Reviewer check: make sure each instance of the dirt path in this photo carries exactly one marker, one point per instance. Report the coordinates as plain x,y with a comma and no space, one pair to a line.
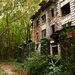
9,69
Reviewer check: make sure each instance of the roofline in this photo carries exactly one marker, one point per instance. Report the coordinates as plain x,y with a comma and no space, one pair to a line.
42,8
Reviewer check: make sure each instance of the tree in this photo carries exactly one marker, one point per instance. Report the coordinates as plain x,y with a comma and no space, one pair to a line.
15,23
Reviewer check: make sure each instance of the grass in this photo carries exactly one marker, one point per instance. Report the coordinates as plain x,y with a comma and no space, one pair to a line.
18,65
14,74
1,67
4,73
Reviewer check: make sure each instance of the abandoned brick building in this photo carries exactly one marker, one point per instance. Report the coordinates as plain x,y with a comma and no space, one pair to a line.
51,18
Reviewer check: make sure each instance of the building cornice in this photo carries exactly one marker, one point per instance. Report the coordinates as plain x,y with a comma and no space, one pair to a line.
44,6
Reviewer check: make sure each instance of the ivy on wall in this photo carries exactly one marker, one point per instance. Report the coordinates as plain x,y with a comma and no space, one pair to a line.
67,43
30,48
45,46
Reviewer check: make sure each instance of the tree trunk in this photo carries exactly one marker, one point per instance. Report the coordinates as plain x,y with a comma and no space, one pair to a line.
9,36
29,34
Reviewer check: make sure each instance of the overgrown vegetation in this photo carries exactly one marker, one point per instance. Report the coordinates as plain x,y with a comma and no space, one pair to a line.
15,25
67,42
17,47
50,64
44,65
30,49
45,46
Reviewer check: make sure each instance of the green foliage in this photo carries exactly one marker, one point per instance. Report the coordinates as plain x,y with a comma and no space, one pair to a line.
36,65
30,49
44,65
4,73
1,67
67,49
15,24
67,44
13,60
18,65
14,74
45,45
53,57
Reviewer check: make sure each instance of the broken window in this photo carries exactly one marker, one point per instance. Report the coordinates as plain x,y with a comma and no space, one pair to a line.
65,9
52,12
44,18
37,23
55,50
43,33
53,28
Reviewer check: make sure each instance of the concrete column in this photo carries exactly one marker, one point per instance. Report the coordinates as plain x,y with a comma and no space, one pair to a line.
59,50
51,50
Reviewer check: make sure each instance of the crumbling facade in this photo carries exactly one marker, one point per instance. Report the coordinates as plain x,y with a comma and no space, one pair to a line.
51,18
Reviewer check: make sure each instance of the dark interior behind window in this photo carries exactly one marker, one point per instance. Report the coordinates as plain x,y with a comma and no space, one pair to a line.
52,12
44,18
43,33
53,28
55,50
65,9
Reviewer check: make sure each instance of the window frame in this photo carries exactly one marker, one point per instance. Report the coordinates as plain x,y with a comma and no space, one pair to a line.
63,8
43,33
52,12
43,17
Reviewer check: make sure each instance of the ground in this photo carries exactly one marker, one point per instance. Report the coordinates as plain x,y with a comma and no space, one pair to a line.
7,68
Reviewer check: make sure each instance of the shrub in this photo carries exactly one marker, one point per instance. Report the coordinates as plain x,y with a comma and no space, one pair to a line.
36,65
43,65
67,49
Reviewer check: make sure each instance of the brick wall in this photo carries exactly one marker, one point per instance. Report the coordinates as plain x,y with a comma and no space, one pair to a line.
36,29
68,18
58,20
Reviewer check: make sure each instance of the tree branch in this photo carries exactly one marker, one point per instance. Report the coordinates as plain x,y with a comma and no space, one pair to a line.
17,18
5,30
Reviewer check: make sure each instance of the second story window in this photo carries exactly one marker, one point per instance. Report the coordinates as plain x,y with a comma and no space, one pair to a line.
53,28
37,36
52,12
43,33
65,9
44,18
37,23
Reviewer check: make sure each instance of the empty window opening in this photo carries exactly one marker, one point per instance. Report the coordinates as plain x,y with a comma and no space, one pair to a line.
65,9
37,23
52,12
44,18
43,33
64,26
53,28
67,25
55,50
36,35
